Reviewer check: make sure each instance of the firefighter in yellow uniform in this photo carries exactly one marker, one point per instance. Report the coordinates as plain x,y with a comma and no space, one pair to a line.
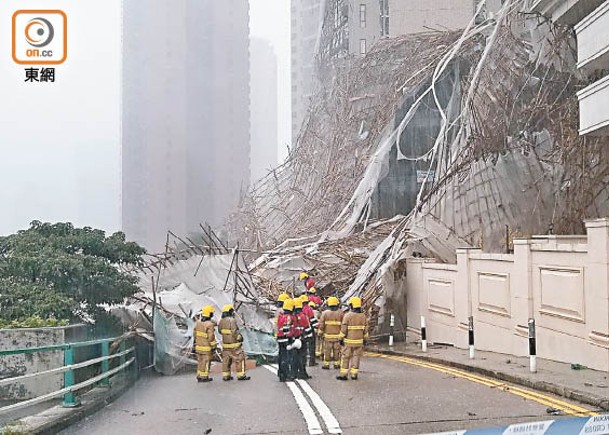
353,332
319,341
205,343
232,345
329,329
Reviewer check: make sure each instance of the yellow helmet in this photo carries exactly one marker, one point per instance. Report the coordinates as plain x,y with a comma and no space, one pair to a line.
288,304
303,276
333,301
304,298
207,311
355,302
298,303
226,308
282,297
312,290
312,304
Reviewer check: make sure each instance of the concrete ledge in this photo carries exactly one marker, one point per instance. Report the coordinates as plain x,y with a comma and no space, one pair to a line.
539,385
58,418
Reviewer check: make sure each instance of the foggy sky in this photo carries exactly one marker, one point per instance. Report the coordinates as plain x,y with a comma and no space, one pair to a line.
59,142
270,20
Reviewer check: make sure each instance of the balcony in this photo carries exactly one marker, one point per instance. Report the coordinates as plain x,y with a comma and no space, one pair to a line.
593,40
568,12
594,108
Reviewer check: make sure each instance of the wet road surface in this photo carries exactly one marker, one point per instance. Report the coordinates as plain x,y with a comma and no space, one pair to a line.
391,397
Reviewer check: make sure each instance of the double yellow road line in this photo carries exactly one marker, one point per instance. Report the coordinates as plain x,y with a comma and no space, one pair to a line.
565,407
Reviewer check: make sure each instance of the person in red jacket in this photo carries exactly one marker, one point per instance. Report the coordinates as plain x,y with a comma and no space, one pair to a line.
284,336
310,342
301,331
314,297
308,281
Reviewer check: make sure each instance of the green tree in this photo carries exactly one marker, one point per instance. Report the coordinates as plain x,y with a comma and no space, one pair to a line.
58,271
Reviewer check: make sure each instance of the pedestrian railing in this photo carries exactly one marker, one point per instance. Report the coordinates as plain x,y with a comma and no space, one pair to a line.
69,386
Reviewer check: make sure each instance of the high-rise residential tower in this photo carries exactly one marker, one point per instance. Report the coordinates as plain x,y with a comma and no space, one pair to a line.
185,115
307,18
263,107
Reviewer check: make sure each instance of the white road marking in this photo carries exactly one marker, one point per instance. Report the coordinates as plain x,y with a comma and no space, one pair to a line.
270,368
329,420
308,413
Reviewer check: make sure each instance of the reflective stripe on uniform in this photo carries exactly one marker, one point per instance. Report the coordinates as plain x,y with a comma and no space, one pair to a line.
332,336
333,322
230,345
203,348
351,341
356,328
226,331
213,343
201,334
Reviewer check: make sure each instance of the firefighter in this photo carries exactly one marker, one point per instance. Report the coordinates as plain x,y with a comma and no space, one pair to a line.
232,350
310,341
284,336
353,332
205,343
280,299
329,329
308,281
319,341
314,297
301,332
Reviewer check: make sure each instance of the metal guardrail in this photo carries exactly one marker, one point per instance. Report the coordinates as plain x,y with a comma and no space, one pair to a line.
69,399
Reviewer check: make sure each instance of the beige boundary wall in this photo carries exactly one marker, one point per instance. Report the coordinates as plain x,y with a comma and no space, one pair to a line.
560,281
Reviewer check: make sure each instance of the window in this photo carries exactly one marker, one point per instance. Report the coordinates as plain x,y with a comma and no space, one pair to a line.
362,47
362,16
384,17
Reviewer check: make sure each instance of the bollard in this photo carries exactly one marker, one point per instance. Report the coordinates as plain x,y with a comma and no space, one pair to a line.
532,347
69,400
391,325
105,365
423,335
471,337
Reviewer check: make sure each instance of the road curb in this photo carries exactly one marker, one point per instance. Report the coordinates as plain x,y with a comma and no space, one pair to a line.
547,387
57,418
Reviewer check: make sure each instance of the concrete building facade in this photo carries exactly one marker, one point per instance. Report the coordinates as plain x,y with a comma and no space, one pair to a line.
263,108
414,16
306,20
352,27
185,115
590,19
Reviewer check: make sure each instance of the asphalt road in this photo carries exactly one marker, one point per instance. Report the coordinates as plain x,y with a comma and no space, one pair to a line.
391,397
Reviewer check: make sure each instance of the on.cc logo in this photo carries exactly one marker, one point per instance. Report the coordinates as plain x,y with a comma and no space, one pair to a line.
39,32
40,37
